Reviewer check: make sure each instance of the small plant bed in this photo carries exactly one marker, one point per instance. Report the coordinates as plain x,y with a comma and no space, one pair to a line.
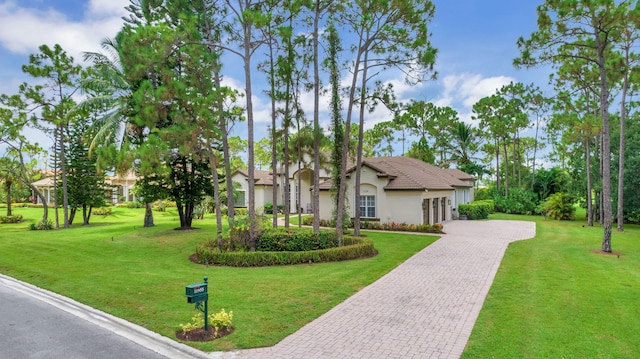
220,325
199,335
286,247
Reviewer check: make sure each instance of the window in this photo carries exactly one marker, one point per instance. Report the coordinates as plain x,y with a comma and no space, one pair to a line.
368,206
240,200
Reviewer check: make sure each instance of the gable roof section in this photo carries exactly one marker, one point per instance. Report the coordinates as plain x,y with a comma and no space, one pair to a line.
260,177
463,176
408,173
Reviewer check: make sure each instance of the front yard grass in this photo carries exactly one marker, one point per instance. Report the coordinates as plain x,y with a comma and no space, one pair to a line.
139,274
553,298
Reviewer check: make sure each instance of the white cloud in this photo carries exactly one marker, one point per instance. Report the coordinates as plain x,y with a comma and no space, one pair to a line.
23,30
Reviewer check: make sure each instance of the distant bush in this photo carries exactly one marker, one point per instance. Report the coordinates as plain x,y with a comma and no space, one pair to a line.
131,204
519,201
559,206
268,208
101,211
476,209
11,219
42,226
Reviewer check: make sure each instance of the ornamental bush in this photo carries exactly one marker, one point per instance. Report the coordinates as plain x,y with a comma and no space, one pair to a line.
476,209
559,206
282,239
102,211
353,248
11,219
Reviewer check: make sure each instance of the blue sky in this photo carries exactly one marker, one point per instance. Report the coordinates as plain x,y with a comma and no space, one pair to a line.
476,40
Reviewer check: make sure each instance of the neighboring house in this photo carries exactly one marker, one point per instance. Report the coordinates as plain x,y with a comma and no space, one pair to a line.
120,188
402,189
45,186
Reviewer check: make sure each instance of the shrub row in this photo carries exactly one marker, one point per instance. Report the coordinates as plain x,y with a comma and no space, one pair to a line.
476,209
388,226
282,239
11,219
102,211
353,248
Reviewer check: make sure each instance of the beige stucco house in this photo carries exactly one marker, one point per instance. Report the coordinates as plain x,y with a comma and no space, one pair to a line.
399,189
120,188
403,189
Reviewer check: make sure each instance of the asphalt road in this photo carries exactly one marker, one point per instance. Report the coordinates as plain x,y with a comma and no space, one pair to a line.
46,328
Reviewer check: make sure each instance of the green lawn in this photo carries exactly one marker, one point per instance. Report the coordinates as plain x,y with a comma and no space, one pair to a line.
554,298
139,274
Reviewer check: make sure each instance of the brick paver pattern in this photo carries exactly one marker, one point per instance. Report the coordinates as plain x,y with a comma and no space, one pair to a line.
424,308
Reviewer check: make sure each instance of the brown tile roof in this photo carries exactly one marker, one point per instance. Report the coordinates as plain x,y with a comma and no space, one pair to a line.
260,177
406,173
459,174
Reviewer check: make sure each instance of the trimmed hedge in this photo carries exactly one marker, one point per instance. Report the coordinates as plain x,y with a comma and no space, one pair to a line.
281,239
476,209
353,248
11,219
379,226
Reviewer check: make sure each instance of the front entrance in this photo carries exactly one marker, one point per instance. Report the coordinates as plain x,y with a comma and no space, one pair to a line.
436,218
425,211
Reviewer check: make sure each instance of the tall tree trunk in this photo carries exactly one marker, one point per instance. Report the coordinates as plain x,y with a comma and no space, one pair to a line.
56,164
345,150
589,184
497,165
7,186
216,196
506,168
63,175
606,146
535,150
251,205
623,117
363,94
315,203
148,215
299,191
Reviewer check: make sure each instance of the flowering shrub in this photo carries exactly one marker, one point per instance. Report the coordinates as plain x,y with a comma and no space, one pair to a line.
218,321
102,211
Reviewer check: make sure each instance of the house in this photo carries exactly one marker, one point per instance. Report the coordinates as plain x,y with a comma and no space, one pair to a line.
120,188
402,189
263,188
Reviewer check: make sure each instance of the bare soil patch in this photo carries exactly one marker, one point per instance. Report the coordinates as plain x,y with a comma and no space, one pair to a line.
199,335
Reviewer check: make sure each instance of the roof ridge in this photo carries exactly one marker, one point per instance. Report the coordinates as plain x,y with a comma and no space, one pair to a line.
391,164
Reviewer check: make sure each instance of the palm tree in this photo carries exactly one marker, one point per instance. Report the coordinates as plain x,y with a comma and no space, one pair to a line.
110,96
464,144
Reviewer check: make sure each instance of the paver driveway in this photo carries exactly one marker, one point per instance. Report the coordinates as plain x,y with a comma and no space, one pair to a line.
424,308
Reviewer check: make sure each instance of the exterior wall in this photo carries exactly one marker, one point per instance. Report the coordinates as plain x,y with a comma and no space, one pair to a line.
263,194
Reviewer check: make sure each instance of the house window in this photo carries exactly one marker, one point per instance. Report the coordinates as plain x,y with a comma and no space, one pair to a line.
240,200
368,206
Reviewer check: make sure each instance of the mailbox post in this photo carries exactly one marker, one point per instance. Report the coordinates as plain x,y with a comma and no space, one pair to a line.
198,294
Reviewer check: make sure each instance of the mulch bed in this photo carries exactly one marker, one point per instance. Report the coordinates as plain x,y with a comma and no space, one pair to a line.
199,335
612,253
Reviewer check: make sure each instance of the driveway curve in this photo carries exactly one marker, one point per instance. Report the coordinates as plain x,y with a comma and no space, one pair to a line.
424,308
